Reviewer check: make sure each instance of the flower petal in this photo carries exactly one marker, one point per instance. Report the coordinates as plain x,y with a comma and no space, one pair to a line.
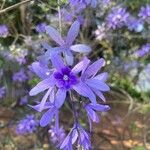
103,76
94,68
82,48
40,71
92,114
65,142
60,97
99,94
47,117
69,58
97,84
43,101
42,86
84,90
98,107
81,66
73,32
57,62
54,34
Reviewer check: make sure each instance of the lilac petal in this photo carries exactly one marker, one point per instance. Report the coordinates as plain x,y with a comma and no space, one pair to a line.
40,71
53,51
60,97
99,94
99,107
74,136
95,67
69,58
73,33
91,113
65,142
81,66
57,62
37,107
54,34
47,117
52,96
84,90
43,101
97,84
82,48
102,76
42,86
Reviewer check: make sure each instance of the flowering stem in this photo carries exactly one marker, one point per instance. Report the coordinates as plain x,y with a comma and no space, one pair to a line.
59,14
73,109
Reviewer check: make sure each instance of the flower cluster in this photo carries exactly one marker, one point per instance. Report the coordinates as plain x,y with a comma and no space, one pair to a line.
3,31
27,125
20,76
117,18
145,13
57,135
144,50
83,3
134,24
64,82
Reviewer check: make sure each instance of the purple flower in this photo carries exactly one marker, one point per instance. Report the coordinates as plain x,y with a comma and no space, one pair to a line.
62,77
144,50
91,108
2,92
77,135
57,135
27,125
3,31
131,65
134,24
91,83
24,100
145,13
41,27
20,76
84,3
65,46
117,18
91,112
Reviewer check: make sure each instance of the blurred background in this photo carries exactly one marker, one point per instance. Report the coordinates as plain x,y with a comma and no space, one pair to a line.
117,30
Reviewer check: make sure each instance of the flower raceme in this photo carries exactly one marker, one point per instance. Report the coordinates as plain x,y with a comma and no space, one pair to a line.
81,78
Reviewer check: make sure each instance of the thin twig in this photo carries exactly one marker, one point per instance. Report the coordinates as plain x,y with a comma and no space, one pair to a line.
14,6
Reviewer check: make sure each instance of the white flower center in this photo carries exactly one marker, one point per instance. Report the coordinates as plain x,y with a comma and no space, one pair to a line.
65,77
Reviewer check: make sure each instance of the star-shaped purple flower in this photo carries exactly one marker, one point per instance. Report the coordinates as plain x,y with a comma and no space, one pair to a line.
65,44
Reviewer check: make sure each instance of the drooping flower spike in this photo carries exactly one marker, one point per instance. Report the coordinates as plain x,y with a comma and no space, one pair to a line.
77,135
65,44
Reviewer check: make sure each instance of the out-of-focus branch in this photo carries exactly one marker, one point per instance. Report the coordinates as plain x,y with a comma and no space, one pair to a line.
14,6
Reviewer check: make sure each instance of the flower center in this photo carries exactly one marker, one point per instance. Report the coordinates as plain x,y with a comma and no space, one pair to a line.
65,77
